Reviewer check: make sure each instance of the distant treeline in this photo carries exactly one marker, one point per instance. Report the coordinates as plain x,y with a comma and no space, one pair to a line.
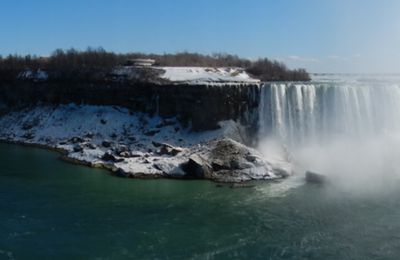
94,63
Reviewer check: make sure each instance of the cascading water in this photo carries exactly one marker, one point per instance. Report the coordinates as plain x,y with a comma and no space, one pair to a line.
298,113
347,129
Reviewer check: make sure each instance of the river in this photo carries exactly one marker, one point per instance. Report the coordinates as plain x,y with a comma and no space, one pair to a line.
54,210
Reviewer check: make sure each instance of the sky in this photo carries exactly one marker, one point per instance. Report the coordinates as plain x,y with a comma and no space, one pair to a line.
337,36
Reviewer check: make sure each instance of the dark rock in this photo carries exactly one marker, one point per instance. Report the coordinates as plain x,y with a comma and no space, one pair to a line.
125,154
217,104
89,135
166,149
197,167
28,136
156,144
218,165
111,158
166,122
120,173
106,144
30,124
132,138
113,135
76,139
312,177
230,155
169,169
146,161
135,155
251,157
91,146
151,132
121,148
78,148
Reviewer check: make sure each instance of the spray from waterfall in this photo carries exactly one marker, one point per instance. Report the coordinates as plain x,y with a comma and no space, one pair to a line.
348,131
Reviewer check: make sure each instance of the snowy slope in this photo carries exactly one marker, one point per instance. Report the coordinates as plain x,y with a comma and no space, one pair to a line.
82,131
207,75
188,75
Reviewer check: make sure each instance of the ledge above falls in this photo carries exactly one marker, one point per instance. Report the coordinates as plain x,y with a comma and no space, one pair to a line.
199,97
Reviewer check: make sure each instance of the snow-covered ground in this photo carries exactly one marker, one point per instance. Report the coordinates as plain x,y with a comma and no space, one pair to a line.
190,75
130,143
199,75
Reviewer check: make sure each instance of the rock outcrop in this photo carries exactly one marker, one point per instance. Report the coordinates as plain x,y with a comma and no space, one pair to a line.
226,160
312,177
200,106
170,153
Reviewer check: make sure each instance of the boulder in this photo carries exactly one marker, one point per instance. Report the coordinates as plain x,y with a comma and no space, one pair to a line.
166,149
76,140
111,158
169,169
78,148
234,162
28,136
120,173
166,122
121,149
125,154
89,135
106,144
230,155
197,167
90,146
30,124
151,132
312,177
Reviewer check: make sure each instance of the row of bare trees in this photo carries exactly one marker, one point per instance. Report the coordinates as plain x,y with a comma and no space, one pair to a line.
75,64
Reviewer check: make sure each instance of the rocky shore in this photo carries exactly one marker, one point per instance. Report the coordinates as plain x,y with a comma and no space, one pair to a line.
132,144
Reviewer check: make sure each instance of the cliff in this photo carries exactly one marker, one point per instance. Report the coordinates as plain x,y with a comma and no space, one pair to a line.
199,101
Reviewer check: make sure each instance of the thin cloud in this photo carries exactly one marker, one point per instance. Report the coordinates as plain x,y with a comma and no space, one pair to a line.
301,59
338,58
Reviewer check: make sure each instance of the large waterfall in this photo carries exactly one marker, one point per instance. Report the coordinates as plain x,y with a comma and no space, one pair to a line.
298,113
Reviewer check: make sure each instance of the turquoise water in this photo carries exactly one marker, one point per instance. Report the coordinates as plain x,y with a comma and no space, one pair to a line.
53,210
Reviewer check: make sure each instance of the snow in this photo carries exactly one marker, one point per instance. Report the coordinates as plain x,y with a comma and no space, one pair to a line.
191,75
176,75
58,126
201,75
34,75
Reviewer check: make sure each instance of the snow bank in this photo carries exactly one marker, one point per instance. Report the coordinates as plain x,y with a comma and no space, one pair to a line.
132,144
188,75
199,75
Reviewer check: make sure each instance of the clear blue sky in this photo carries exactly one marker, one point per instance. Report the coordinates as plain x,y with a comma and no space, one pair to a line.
320,35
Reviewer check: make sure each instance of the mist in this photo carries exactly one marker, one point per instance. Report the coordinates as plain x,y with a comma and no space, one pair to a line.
359,165
346,129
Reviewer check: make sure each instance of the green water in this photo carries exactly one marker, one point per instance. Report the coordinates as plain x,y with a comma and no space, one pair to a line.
53,210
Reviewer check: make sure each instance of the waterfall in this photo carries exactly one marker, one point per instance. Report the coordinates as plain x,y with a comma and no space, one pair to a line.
297,113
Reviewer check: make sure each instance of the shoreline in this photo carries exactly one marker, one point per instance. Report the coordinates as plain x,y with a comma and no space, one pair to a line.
138,146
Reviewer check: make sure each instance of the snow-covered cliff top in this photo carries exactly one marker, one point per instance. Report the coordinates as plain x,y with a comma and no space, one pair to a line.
199,75
189,75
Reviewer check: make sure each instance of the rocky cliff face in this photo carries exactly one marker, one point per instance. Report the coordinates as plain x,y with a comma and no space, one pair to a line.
199,106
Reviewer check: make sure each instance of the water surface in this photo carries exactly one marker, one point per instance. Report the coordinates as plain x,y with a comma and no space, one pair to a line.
51,209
